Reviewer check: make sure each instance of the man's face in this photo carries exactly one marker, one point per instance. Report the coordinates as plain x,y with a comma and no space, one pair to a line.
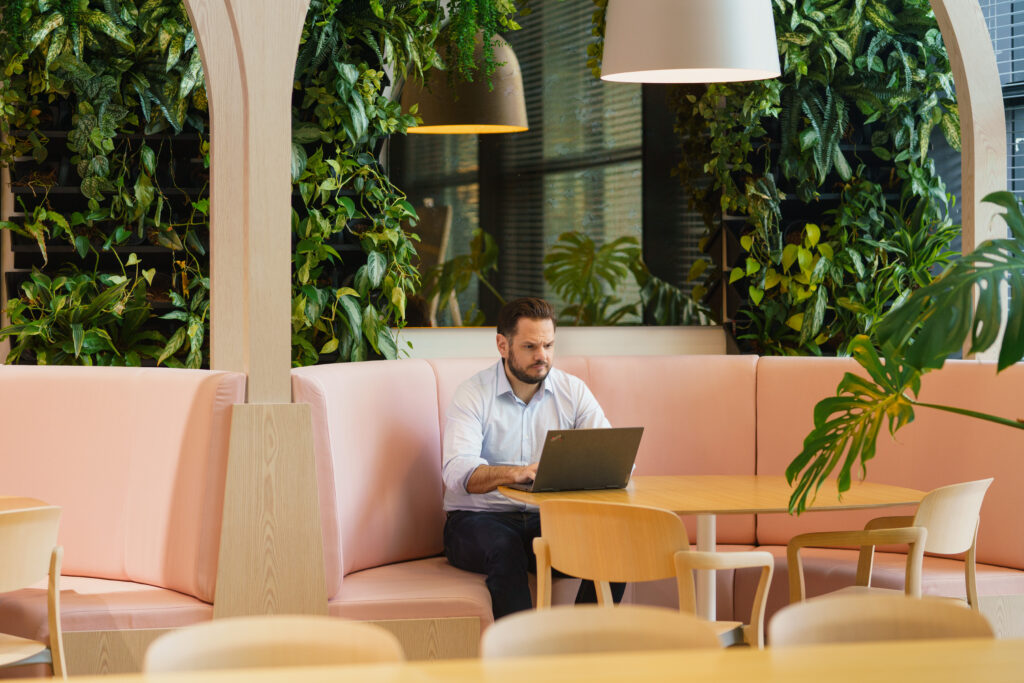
528,353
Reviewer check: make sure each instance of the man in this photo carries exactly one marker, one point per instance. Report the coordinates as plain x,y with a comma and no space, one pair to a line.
495,430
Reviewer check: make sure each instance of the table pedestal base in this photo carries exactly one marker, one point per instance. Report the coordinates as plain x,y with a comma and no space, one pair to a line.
706,578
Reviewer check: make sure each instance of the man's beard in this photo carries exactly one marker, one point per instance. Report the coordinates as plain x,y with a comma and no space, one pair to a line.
520,373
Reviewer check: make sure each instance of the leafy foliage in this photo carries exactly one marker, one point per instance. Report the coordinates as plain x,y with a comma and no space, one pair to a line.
589,277
131,74
848,67
456,274
914,338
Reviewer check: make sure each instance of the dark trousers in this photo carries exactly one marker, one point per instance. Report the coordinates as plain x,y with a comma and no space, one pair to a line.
500,545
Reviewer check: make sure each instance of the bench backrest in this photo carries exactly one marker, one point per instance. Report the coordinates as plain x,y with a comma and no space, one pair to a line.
378,452
136,459
378,425
936,449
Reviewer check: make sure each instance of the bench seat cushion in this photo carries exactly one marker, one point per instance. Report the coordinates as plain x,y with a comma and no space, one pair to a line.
430,588
420,589
827,570
88,604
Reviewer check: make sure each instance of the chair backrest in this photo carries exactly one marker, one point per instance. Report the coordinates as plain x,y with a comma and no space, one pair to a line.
271,641
27,538
951,514
858,618
612,541
588,628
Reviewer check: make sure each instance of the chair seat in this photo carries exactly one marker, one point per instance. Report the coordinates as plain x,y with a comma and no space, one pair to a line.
14,650
827,570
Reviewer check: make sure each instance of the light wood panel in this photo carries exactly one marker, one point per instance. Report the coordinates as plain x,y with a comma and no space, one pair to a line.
1005,613
271,558
250,120
729,494
93,653
426,639
271,551
979,97
478,342
946,661
229,292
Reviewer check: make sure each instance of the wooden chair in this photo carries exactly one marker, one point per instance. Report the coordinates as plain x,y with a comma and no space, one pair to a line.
946,523
586,629
28,546
857,618
607,542
271,641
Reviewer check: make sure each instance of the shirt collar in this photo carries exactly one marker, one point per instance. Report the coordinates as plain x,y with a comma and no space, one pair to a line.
503,386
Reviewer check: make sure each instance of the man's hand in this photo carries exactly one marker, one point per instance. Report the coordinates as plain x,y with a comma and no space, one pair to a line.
487,478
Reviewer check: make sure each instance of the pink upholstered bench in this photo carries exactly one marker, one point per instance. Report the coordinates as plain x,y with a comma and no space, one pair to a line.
136,458
377,438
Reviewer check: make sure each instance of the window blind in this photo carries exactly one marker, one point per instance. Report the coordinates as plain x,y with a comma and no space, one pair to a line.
579,165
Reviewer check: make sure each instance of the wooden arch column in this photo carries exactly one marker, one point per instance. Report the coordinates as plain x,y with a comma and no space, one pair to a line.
982,118
979,95
271,551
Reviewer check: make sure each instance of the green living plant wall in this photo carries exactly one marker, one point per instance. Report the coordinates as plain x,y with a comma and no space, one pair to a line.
827,168
99,100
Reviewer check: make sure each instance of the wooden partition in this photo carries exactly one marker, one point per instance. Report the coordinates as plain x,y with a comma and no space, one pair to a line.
271,557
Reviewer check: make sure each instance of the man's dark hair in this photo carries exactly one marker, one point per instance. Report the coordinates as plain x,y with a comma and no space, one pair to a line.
530,307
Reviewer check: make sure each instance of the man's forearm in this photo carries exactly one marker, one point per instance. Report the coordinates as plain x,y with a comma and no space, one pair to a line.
486,478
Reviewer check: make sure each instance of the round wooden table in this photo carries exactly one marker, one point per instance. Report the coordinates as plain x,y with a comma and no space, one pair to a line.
707,496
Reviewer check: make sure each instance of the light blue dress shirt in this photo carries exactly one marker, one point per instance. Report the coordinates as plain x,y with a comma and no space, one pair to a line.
489,425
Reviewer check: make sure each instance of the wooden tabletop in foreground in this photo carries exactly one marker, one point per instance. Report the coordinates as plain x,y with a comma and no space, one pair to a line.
20,503
730,494
922,661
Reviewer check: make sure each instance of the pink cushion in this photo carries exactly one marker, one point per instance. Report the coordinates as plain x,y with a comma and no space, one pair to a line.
449,374
426,589
136,457
938,448
827,570
421,589
697,413
378,453
98,605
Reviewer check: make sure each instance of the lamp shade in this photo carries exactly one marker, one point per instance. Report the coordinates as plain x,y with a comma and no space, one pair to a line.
689,41
472,107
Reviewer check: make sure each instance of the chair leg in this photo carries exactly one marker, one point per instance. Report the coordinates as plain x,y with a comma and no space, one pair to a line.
53,611
971,572
543,552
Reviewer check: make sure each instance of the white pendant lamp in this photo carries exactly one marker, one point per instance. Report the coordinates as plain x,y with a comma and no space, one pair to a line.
689,41
472,107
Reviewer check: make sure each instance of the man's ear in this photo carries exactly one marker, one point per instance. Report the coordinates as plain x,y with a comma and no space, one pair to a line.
502,345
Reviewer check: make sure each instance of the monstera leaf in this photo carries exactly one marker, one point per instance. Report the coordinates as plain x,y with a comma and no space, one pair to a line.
936,319
915,338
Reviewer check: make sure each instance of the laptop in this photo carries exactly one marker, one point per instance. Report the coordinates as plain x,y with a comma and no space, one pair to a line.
582,459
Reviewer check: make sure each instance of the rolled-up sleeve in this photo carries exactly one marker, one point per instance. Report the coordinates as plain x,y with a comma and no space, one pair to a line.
463,439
